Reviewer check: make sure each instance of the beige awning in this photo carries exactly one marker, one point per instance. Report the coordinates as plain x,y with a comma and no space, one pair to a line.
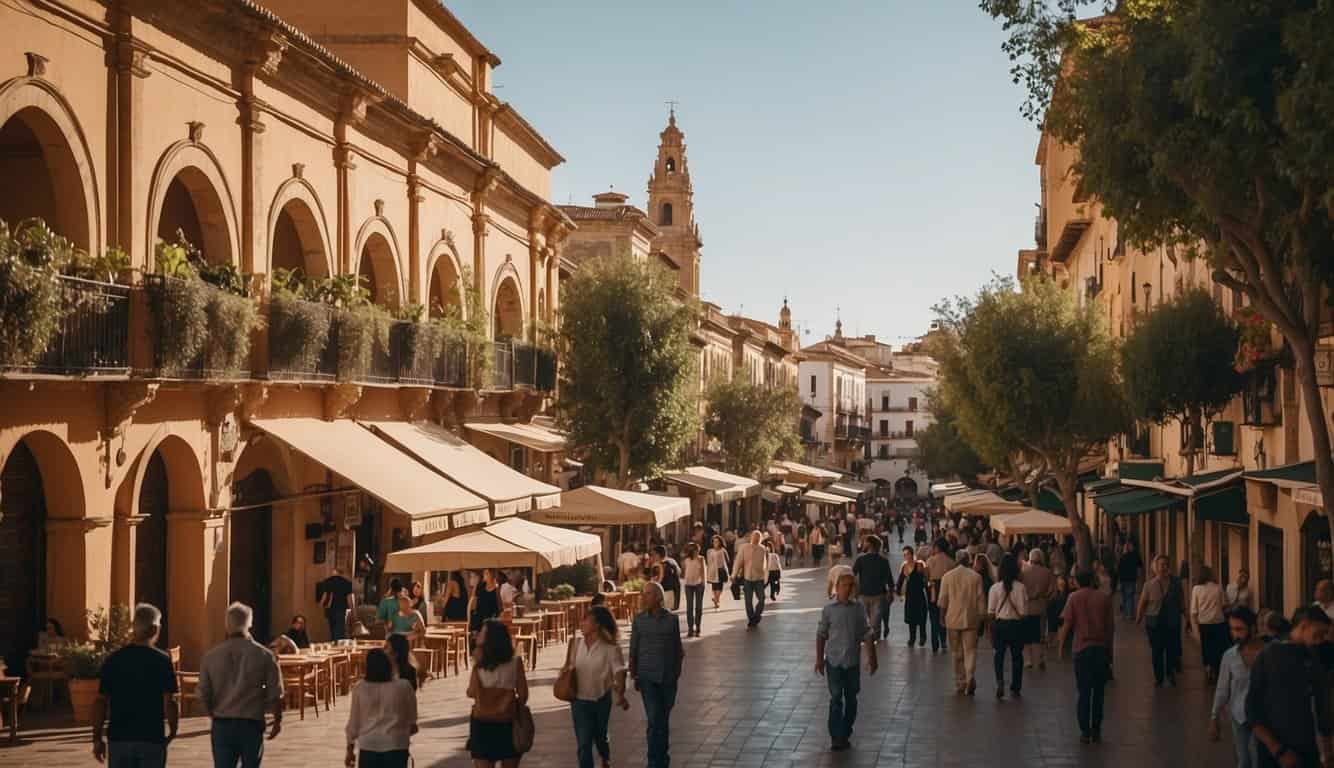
744,485
798,471
1031,521
844,489
717,490
533,436
772,497
508,491
509,543
820,497
982,504
595,505
954,500
787,490
434,503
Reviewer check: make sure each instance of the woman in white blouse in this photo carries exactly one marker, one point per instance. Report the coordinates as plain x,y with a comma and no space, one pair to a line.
1006,606
599,675
692,576
719,567
383,716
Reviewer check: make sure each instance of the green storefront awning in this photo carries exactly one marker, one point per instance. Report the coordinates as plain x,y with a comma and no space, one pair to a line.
1205,478
1102,485
1013,494
1050,501
1225,506
1140,470
1136,502
1291,473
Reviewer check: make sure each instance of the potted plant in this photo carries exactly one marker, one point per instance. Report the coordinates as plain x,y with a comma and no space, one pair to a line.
632,585
109,632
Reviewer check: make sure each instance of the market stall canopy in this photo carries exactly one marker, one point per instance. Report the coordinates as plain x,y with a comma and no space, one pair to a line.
717,490
842,489
745,485
948,489
434,503
508,491
954,500
805,473
595,505
534,436
787,490
508,543
820,497
1031,521
981,505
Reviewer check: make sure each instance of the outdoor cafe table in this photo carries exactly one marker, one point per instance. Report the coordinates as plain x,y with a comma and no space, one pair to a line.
553,625
443,638
9,690
306,664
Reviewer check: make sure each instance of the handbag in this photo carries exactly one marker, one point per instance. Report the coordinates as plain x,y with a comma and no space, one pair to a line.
524,730
566,687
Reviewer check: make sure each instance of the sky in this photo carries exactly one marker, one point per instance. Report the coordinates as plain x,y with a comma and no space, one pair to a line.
864,159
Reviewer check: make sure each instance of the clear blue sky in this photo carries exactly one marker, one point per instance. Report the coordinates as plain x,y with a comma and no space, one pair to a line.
862,155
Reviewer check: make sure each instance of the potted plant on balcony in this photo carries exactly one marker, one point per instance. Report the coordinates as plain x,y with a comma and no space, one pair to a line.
204,311
1256,341
31,304
232,317
109,631
419,339
298,328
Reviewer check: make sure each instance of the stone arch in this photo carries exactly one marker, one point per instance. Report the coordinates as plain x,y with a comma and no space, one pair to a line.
507,309
45,116
445,288
263,474
377,260
298,234
185,474
190,190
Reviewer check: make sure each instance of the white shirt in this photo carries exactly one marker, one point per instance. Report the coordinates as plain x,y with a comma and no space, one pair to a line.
595,668
503,676
752,562
1012,608
865,524
507,593
775,563
1328,608
382,715
717,559
1206,603
692,572
1240,596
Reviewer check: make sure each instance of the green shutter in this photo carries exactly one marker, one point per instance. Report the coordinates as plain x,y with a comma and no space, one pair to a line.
1223,438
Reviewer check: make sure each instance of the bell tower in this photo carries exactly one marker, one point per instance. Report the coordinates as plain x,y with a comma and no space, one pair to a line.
671,206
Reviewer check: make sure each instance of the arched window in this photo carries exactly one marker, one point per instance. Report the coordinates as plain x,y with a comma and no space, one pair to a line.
671,165
666,218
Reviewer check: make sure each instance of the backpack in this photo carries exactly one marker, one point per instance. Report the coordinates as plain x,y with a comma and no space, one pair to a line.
670,578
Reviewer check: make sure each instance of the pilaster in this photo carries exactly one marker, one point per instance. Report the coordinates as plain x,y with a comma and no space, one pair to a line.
129,60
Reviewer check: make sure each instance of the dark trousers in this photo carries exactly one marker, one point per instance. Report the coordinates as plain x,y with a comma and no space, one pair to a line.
694,605
658,701
917,633
1214,641
590,727
337,618
754,601
1306,757
1009,636
817,554
1128,599
1165,648
881,627
774,584
844,685
937,628
1090,682
136,754
397,758
236,740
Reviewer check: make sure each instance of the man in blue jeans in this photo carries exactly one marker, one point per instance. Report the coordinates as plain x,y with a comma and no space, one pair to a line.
239,682
1129,567
752,568
656,658
843,629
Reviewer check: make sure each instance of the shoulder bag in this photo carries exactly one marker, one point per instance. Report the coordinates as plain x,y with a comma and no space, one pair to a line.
493,705
566,687
524,730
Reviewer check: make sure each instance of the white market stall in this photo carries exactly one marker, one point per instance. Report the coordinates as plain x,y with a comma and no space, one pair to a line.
508,543
1031,521
611,509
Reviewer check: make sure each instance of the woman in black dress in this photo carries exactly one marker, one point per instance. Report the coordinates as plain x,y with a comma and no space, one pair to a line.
912,588
456,598
485,601
497,686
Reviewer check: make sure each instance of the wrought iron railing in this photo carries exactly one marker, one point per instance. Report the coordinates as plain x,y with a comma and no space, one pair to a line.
534,367
94,336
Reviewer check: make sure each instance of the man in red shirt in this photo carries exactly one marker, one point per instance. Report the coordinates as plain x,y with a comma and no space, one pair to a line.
1089,614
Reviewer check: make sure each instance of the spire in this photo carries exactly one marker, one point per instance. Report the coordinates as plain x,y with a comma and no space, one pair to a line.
838,323
785,317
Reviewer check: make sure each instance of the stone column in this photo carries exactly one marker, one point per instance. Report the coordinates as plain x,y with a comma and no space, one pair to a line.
78,553
197,569
126,219
123,549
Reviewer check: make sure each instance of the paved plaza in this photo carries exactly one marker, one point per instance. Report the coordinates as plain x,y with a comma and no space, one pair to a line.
751,699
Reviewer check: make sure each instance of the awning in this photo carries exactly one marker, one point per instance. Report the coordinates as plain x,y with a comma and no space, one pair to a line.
843,489
954,500
773,497
595,505
1135,502
807,473
1050,501
820,497
1225,506
532,436
1140,470
1288,476
434,503
508,491
1031,521
747,486
509,543
1102,486
940,490
717,490
787,490
982,504
1206,478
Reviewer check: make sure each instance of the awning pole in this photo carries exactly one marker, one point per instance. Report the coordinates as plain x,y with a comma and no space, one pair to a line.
290,499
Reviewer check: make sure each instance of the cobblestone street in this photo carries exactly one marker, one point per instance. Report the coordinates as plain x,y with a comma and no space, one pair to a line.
752,699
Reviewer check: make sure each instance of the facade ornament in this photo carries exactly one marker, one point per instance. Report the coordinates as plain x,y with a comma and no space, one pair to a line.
36,64
448,238
222,402
131,57
486,182
196,131
354,103
255,394
340,399
479,224
298,170
379,208
123,399
267,53
425,145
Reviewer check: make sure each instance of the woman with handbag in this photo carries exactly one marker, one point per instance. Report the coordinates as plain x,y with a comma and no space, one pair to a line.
499,690
1007,605
594,670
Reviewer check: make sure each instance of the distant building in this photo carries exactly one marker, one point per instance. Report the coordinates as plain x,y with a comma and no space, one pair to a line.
832,381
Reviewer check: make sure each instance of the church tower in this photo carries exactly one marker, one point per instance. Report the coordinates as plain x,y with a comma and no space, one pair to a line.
671,206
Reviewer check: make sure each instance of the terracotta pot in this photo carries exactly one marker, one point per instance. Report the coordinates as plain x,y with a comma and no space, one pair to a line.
82,694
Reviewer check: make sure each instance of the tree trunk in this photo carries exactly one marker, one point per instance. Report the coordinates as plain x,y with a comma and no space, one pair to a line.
1315,414
1067,483
1196,526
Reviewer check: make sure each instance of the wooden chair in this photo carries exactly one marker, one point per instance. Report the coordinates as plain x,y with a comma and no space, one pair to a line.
525,641
12,702
175,653
187,691
301,681
44,672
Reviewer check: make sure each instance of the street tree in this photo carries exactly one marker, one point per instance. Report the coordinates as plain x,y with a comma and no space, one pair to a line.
627,367
753,424
1029,373
941,450
1203,127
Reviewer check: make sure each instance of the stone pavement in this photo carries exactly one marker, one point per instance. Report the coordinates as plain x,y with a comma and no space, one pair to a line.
752,699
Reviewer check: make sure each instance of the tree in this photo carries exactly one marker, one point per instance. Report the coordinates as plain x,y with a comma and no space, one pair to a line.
754,424
1030,375
1204,127
942,451
627,367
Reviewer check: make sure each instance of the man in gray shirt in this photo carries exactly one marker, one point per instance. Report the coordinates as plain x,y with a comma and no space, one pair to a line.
843,629
238,680
656,656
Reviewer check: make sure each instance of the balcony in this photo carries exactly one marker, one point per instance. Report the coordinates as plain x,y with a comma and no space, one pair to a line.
852,433
94,336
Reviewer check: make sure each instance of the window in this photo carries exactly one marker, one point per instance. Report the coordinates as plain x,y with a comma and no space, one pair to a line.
671,165
884,427
665,219
812,385
912,403
1132,288
907,428
884,450
884,402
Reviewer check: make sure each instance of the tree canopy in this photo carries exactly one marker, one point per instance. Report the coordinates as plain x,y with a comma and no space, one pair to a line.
627,367
942,451
754,424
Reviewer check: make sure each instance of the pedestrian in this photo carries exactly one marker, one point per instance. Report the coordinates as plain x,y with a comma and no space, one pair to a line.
1101,579
1007,607
817,544
982,564
1234,678
599,681
962,606
336,596
138,685
752,568
1039,584
456,598
656,661
874,578
238,681
1287,702
403,660
420,604
383,717
1273,627
498,687
388,606
1162,609
1239,593
667,572
718,568
692,568
1090,616
485,603
407,620
844,628
628,564
803,533
1206,613
912,588
1128,570
937,565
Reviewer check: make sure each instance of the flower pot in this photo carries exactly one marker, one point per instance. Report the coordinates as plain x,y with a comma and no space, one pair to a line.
82,694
